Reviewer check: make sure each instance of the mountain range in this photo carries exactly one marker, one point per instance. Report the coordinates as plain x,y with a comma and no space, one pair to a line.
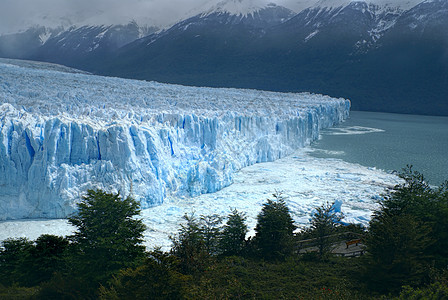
384,55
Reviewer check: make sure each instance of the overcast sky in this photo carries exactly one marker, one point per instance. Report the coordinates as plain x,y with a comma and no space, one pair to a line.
16,14
21,14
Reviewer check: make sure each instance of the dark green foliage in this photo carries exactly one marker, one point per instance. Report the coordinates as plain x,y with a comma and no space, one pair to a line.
108,236
199,240
397,248
30,263
430,207
354,228
246,278
274,229
190,246
44,258
406,247
435,291
408,235
324,223
156,278
233,236
18,293
67,287
12,257
210,229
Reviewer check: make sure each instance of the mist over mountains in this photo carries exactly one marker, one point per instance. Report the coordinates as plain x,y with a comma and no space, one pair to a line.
384,55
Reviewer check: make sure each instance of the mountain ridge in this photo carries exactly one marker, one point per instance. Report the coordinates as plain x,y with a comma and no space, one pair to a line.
384,55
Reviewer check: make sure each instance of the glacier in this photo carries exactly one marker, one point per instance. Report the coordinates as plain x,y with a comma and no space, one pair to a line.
305,181
63,132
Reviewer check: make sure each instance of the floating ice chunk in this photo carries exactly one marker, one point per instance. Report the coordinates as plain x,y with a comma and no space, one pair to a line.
352,177
337,206
351,130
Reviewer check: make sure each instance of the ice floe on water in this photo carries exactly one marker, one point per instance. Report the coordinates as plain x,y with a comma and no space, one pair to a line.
328,152
351,130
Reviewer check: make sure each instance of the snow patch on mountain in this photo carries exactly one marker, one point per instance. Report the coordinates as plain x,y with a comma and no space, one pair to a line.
311,35
241,8
391,4
44,36
402,5
378,16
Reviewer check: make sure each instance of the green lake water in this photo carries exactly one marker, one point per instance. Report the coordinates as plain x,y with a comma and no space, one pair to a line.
390,142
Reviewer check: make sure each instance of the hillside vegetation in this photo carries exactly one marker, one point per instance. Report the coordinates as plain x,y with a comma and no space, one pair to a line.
404,253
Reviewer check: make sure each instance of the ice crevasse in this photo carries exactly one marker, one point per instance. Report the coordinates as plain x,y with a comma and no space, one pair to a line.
62,133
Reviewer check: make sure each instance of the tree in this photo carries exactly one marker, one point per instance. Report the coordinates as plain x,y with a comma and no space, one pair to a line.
437,290
397,252
324,223
408,234
233,235
274,229
45,257
156,278
210,230
30,263
108,236
189,245
12,257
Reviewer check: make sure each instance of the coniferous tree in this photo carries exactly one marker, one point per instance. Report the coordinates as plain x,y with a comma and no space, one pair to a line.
408,234
397,252
233,235
211,230
274,229
324,223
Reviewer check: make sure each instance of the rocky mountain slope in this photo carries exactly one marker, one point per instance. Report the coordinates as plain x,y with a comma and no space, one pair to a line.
384,55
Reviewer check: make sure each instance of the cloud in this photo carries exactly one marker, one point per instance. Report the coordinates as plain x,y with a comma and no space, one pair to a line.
21,14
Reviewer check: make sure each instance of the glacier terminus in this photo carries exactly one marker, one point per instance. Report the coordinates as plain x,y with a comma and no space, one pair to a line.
63,132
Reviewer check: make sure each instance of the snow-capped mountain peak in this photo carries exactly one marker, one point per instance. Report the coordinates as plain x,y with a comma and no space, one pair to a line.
387,4
401,4
239,7
332,3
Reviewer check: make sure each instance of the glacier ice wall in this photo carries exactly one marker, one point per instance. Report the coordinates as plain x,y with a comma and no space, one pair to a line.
62,133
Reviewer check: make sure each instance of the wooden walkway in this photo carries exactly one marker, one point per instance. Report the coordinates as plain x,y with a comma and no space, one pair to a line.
347,244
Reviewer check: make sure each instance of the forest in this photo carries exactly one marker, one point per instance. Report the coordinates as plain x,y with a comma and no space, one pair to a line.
401,254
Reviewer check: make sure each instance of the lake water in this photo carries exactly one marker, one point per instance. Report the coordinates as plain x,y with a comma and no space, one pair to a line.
390,142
